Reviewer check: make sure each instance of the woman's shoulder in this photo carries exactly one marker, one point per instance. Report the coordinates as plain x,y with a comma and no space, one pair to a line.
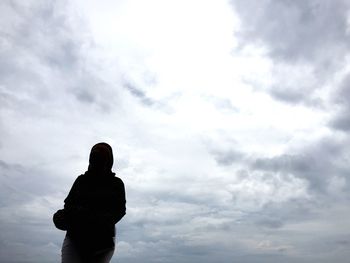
117,183
117,180
81,179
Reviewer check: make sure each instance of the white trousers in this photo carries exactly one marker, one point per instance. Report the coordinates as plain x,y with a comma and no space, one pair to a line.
70,254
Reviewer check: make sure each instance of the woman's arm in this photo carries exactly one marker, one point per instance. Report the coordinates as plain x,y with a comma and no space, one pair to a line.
115,209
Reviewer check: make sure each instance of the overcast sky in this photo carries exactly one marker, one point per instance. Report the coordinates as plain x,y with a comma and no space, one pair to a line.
229,122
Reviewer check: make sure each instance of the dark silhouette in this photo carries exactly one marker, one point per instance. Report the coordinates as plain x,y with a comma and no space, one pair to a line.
95,203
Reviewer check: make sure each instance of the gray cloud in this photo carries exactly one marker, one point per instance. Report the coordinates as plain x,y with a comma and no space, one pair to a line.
276,216
46,58
322,166
306,40
23,188
290,92
341,96
138,93
163,104
225,150
228,157
317,163
26,210
341,121
294,31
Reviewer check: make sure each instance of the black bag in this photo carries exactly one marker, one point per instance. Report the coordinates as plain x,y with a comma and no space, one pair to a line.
60,219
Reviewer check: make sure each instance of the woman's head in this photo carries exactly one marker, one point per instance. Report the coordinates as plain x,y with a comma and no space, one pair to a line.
101,158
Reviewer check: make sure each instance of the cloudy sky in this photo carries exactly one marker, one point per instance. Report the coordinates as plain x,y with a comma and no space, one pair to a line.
229,121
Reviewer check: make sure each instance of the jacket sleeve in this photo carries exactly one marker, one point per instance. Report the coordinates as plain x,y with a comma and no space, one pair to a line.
70,201
78,211
119,209
71,207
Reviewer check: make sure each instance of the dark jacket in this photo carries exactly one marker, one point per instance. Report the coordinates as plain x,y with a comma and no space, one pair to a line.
93,206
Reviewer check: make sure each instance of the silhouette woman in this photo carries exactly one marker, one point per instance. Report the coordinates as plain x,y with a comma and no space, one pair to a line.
95,203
